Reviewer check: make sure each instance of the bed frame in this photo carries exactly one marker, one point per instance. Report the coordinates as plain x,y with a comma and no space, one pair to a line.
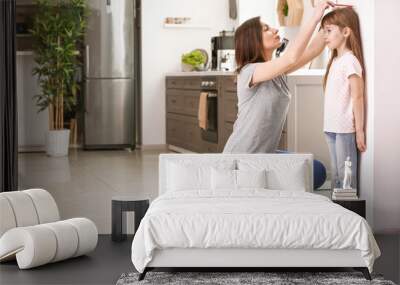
246,259
242,259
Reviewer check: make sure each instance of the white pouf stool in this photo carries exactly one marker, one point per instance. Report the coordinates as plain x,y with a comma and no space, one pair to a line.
31,230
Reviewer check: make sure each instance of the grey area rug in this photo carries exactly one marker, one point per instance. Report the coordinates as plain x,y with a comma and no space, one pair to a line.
243,278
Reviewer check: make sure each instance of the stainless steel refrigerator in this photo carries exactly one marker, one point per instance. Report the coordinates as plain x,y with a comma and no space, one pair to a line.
109,75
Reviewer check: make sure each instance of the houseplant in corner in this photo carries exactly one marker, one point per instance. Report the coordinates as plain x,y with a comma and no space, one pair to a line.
57,31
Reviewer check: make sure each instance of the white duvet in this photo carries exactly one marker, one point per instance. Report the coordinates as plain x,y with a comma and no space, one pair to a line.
250,219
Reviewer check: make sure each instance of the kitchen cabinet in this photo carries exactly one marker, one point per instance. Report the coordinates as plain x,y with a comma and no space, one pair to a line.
306,115
182,103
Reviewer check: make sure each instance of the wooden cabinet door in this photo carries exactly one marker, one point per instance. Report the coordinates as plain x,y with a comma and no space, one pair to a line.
229,83
191,102
175,129
174,102
208,147
230,108
192,83
183,131
227,131
175,83
191,134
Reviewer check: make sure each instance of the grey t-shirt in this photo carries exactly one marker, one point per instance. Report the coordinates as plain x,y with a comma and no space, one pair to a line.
262,111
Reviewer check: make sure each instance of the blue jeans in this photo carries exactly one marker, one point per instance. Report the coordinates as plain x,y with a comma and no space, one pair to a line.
342,145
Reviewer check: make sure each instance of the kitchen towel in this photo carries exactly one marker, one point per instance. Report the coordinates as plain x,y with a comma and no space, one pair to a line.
203,110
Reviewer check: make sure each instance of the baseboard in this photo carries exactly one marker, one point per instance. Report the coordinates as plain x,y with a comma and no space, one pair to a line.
178,149
76,146
153,147
31,148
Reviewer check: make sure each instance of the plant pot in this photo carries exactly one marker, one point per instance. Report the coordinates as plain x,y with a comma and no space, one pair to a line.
286,21
57,142
187,67
200,67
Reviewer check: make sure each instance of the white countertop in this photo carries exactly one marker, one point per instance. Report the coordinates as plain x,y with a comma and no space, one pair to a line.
308,72
300,72
201,73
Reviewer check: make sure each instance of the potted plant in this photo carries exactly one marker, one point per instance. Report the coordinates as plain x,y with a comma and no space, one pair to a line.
285,12
194,60
57,31
290,12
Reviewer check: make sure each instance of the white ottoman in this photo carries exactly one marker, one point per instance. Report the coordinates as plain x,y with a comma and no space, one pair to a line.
31,232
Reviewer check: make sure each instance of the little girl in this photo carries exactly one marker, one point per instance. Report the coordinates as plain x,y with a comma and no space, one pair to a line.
344,92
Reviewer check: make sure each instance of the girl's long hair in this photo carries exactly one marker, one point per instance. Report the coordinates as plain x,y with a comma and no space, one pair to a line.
346,17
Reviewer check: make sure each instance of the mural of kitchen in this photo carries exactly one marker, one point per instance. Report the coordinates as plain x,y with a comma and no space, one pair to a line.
108,91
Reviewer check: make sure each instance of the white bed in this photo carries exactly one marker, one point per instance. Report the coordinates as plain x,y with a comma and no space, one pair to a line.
201,220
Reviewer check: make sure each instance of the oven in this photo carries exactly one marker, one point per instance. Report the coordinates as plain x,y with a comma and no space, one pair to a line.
209,85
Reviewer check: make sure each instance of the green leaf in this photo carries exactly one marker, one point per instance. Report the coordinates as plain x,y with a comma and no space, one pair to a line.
194,58
57,31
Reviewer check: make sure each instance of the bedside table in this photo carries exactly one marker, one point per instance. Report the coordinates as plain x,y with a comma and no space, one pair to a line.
122,204
357,206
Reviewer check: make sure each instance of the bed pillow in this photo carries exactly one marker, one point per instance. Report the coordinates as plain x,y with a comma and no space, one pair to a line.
281,175
223,179
193,175
226,179
293,179
251,178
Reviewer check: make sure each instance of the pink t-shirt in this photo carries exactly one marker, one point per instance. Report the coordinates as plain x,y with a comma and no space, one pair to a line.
338,111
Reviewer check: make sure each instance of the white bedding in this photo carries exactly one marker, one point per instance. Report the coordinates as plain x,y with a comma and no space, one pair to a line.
251,218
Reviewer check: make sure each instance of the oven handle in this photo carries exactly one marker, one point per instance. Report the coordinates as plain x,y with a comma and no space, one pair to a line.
211,95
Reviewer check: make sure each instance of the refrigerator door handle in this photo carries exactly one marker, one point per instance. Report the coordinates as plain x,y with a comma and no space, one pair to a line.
134,9
85,97
87,60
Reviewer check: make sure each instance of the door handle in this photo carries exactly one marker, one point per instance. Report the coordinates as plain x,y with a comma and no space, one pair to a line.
87,60
85,97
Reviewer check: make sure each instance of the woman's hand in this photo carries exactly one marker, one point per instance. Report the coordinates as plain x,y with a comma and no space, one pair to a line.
273,68
360,139
319,9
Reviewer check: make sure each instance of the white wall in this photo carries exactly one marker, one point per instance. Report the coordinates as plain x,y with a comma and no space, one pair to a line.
253,8
32,126
266,9
365,10
387,117
162,49
379,172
